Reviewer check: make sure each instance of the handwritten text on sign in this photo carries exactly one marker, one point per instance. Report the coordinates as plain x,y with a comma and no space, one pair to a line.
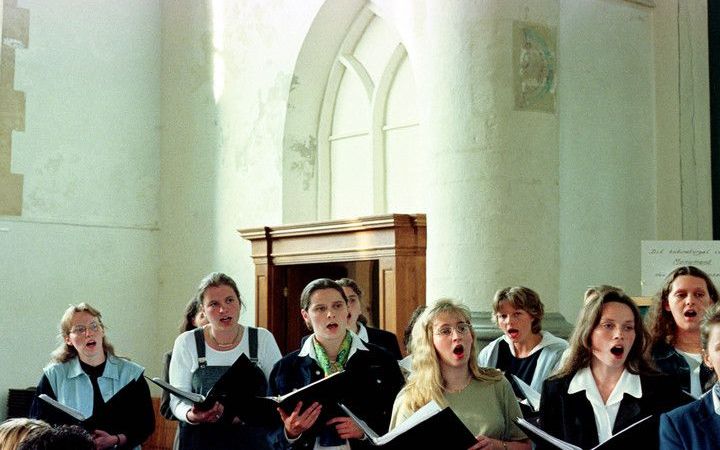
658,258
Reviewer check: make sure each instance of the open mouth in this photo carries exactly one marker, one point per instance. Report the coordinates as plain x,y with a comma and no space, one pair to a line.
513,333
332,326
226,320
690,313
618,350
91,344
459,351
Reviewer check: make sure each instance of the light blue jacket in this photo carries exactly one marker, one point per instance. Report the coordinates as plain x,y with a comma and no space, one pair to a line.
73,387
552,348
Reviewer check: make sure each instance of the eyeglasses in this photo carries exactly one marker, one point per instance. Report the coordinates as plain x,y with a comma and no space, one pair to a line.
82,329
462,329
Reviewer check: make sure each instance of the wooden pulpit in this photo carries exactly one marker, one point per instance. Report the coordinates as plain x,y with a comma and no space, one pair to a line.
385,254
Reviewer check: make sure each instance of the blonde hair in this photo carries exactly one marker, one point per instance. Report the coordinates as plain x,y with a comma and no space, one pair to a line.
14,431
65,352
425,382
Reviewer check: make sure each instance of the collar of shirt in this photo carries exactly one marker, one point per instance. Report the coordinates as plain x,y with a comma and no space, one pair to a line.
362,332
716,398
309,350
547,339
605,413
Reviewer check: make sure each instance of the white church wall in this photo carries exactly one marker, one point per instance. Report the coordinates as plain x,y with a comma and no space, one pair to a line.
89,156
620,152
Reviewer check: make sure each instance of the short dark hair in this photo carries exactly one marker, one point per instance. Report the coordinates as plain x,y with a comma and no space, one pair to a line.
191,310
352,284
523,298
316,285
65,437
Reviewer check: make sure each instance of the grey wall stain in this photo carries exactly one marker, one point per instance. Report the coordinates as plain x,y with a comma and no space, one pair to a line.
306,155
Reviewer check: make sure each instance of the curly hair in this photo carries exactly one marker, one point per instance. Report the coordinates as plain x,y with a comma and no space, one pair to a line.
660,322
580,351
425,382
14,431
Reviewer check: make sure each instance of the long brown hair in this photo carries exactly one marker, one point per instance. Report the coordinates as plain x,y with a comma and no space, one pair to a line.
580,351
660,322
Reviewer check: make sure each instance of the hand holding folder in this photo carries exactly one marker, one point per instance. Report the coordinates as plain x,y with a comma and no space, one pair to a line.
235,389
327,391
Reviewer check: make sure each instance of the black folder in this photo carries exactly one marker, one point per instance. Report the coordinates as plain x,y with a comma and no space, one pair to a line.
236,389
629,437
428,427
328,391
56,413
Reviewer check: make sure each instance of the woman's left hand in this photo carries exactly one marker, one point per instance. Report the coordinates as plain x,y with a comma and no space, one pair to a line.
346,428
483,443
103,439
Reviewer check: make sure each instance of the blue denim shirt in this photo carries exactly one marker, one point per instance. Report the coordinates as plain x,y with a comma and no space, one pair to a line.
73,387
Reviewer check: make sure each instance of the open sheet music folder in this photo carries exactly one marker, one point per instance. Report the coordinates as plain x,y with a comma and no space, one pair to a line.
627,438
236,389
429,427
56,413
328,391
532,397
59,414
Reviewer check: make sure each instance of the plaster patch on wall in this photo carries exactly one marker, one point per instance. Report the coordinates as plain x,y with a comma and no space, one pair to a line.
534,67
14,31
306,153
271,104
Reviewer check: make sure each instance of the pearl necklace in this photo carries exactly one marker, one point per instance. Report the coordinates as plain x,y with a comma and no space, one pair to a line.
229,344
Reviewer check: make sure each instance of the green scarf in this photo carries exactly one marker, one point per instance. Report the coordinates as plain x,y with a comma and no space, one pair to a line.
325,364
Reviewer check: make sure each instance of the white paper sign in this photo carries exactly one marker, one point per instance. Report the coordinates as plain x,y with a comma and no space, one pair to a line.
658,258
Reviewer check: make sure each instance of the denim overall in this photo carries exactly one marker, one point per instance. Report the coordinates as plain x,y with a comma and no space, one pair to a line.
222,434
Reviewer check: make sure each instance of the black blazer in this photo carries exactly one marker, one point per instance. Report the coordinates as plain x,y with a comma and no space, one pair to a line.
384,339
570,416
376,380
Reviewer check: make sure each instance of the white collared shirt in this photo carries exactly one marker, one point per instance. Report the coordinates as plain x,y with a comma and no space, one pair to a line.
605,413
362,332
308,349
716,398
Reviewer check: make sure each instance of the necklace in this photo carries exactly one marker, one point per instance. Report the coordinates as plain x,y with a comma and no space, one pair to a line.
226,345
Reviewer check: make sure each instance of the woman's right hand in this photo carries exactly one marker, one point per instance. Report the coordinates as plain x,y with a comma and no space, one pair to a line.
296,423
212,415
